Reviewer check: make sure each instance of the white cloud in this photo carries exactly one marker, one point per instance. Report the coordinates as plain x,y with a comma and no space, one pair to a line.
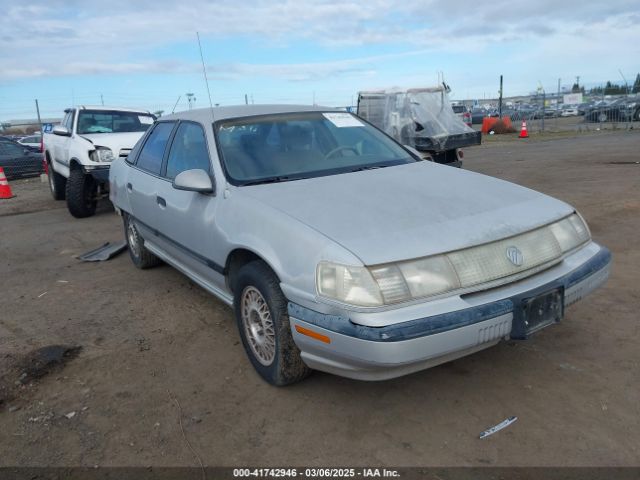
54,38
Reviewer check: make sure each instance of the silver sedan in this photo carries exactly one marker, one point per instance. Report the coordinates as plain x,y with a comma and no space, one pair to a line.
340,250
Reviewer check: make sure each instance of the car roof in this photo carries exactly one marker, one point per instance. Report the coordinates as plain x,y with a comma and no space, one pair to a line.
117,109
205,115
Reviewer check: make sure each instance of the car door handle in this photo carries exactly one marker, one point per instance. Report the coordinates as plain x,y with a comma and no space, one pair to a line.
129,187
161,201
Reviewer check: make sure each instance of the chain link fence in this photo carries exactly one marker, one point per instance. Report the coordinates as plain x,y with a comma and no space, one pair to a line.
546,114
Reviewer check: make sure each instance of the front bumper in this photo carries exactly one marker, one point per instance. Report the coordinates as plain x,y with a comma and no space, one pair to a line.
99,172
378,353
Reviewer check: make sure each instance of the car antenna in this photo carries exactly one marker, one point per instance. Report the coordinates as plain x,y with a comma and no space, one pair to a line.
176,104
206,80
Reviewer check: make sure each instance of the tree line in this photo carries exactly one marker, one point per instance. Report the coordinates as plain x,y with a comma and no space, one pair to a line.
610,88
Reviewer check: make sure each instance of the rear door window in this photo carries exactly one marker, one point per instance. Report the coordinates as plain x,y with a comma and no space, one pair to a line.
152,152
188,150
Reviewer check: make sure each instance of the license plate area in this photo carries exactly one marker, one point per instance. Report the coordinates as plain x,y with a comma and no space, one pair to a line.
538,312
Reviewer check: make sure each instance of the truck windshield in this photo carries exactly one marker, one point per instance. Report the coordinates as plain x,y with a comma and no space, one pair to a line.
106,121
283,147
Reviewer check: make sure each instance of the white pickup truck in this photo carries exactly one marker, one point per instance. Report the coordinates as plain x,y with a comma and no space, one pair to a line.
79,152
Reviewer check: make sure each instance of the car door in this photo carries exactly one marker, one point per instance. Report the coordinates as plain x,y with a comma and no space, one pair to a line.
187,220
6,158
15,159
144,181
63,144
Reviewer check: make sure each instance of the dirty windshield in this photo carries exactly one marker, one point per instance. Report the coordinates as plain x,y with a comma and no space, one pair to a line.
281,147
104,121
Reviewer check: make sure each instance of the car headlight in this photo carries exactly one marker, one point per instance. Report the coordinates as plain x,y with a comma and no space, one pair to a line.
101,154
424,277
570,232
348,284
416,278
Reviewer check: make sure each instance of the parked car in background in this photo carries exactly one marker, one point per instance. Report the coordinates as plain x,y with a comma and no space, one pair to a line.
342,251
478,113
462,112
19,160
80,150
569,112
620,110
33,141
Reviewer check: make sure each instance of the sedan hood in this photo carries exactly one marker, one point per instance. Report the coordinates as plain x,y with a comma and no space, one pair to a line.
410,211
114,141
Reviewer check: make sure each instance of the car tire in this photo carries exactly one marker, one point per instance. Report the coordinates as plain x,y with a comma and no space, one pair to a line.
57,184
81,194
140,256
263,322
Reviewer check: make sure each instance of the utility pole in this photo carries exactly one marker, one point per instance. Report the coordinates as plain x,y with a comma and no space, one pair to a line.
191,99
246,99
39,120
102,100
558,104
544,101
500,100
626,85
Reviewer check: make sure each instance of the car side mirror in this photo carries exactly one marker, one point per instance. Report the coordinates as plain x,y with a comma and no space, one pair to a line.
62,131
196,180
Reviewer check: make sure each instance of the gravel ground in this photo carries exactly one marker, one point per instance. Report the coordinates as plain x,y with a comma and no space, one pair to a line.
149,337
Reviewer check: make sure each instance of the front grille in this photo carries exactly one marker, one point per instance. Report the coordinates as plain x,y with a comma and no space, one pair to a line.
493,332
489,262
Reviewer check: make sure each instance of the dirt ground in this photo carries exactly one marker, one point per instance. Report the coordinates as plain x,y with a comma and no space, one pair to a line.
152,337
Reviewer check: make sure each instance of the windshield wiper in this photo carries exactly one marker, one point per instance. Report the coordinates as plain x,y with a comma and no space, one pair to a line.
272,180
368,167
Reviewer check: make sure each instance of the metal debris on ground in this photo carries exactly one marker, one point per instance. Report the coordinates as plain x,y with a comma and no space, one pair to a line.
498,427
105,252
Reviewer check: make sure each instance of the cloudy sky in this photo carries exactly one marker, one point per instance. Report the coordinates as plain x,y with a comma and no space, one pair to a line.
144,53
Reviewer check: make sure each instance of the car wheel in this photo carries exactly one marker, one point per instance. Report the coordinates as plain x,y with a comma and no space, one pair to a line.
602,117
263,322
140,256
81,194
57,184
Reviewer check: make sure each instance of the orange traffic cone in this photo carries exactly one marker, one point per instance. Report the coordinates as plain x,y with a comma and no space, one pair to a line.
523,130
5,189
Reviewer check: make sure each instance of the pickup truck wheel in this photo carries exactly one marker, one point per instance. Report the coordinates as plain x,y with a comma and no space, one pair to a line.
140,256
81,194
57,184
261,313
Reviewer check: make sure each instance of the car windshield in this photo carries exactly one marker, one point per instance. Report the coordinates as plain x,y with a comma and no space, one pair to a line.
282,147
105,121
